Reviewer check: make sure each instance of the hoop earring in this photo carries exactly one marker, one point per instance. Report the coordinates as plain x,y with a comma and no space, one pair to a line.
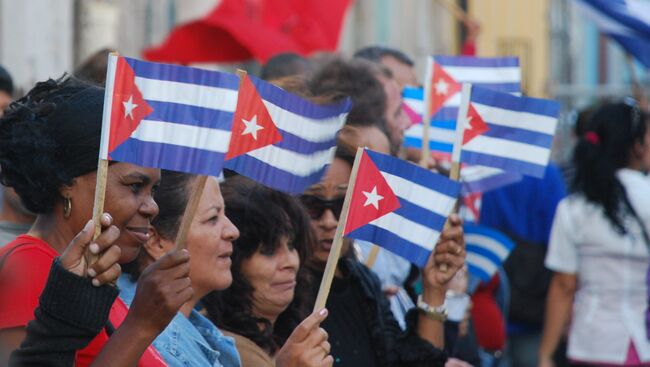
67,207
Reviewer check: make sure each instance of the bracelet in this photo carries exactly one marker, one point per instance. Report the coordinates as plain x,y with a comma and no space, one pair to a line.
438,313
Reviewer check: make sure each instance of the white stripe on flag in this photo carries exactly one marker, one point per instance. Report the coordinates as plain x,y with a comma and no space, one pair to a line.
473,173
189,94
416,105
481,262
435,133
410,191
454,101
213,140
488,243
409,230
520,120
306,128
508,149
476,74
295,163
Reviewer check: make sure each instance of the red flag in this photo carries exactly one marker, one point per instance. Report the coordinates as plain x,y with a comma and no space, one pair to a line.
475,125
443,87
372,197
243,29
129,108
252,126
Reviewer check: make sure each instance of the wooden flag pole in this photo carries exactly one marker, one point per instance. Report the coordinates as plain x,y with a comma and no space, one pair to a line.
461,122
426,115
190,210
102,164
337,243
372,256
98,205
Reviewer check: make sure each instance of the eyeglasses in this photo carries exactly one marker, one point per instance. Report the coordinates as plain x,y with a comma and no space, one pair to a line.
317,206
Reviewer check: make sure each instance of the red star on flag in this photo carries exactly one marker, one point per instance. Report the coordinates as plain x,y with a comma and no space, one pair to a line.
443,87
475,125
128,106
372,197
252,126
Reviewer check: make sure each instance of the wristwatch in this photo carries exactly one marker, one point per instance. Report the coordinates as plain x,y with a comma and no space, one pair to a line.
438,313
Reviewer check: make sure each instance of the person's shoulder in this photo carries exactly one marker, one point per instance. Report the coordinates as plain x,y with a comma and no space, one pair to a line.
249,352
25,245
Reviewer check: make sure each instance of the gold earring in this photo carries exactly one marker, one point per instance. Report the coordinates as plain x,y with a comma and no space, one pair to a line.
67,207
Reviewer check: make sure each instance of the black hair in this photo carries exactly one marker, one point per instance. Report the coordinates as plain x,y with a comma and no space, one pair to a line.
264,217
357,79
376,52
606,146
6,83
171,196
48,138
285,64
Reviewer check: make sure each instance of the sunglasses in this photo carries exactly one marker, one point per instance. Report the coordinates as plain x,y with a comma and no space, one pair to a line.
317,206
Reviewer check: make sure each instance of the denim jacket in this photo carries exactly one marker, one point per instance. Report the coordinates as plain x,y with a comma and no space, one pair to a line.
189,341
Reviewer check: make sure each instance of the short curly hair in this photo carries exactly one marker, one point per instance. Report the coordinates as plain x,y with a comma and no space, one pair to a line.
48,138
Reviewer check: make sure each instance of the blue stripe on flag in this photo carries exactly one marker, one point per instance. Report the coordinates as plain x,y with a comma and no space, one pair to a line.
513,103
420,215
190,115
293,103
168,156
472,61
413,93
483,252
183,74
519,135
445,124
411,172
296,144
392,242
506,164
480,273
490,182
433,145
273,176
501,87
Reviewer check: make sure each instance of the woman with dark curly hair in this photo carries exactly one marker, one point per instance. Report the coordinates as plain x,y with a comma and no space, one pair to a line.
191,339
267,298
49,145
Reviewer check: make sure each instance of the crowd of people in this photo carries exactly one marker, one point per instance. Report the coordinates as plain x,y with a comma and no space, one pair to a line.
241,292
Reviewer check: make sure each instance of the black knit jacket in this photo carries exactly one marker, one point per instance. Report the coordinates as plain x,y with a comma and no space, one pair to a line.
70,314
393,346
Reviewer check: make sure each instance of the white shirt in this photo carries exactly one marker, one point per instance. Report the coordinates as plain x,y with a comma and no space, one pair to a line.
610,301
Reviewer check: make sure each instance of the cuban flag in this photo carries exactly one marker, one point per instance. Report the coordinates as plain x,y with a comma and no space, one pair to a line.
167,116
446,74
507,132
280,139
486,248
625,21
399,206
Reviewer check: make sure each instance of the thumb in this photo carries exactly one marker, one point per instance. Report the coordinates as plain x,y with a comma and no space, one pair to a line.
301,332
171,259
77,247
